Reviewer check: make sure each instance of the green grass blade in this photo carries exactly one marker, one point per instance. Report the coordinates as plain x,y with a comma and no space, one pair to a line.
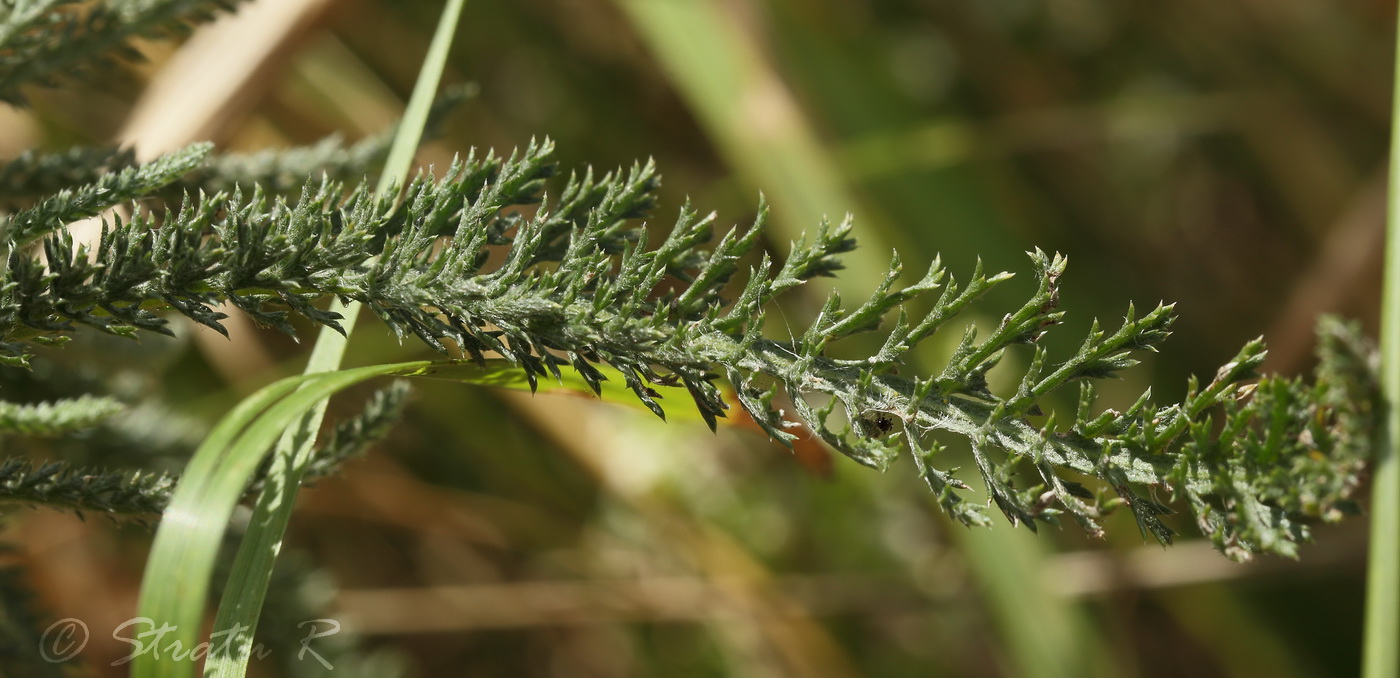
420,103
247,585
176,581
1382,640
248,580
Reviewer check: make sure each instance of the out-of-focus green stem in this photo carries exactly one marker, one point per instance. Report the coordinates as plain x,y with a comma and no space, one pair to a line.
1382,641
748,112
1045,634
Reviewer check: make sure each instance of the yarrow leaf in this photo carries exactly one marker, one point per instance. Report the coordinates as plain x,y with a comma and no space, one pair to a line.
482,262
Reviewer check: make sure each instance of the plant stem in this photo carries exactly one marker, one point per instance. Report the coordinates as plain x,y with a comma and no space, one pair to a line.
1381,658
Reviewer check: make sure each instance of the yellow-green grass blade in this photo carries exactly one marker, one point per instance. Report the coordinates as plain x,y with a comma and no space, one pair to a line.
503,374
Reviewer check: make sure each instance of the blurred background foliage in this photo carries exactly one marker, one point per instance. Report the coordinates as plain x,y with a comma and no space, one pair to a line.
1228,156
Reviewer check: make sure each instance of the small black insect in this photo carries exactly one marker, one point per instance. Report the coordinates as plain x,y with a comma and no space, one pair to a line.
874,426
